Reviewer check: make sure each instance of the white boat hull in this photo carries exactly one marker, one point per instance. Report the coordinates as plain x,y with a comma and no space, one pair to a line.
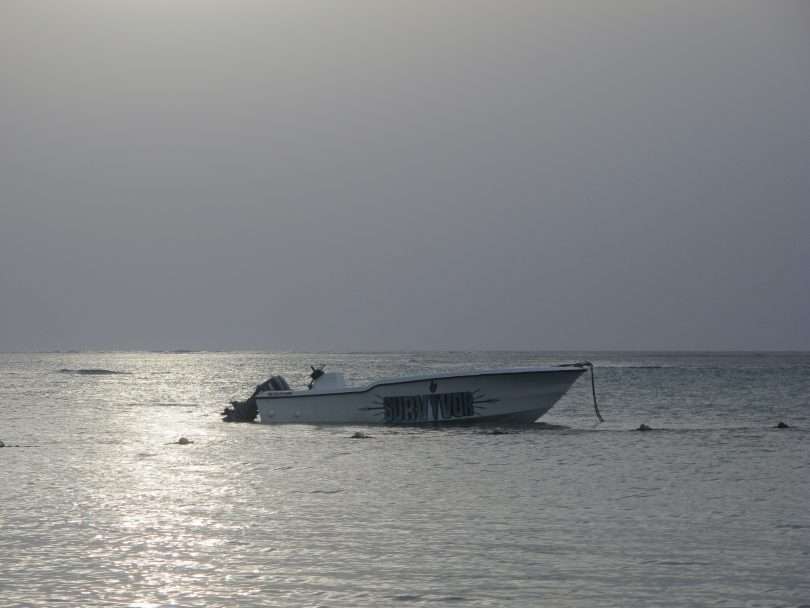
505,396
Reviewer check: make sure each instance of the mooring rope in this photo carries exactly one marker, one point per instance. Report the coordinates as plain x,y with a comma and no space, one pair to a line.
589,365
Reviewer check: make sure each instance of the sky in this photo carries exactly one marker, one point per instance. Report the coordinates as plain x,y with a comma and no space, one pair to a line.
420,175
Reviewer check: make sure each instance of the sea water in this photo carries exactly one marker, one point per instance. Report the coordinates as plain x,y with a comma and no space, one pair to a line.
100,506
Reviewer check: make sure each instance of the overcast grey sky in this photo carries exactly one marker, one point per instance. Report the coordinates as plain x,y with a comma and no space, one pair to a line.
404,175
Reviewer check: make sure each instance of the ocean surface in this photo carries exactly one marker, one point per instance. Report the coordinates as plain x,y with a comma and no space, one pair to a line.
100,506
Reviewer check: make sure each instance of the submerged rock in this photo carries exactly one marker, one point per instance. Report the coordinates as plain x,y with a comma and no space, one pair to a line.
644,427
782,425
184,441
360,435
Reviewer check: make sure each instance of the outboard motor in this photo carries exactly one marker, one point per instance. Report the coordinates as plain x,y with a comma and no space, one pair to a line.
246,411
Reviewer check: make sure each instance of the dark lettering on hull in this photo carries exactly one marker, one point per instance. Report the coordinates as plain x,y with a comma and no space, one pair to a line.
434,407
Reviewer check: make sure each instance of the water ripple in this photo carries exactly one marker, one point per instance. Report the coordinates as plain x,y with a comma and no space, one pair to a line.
104,508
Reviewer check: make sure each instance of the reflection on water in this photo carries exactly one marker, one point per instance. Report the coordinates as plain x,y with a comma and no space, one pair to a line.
104,507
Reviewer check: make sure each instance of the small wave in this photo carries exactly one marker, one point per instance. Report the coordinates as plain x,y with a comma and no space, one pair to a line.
160,404
620,366
90,371
678,563
414,597
537,426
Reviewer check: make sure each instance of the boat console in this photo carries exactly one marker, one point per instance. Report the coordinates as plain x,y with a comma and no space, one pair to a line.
328,381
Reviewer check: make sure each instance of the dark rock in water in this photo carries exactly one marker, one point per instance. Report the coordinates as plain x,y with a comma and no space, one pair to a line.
644,427
782,425
359,435
184,441
2,445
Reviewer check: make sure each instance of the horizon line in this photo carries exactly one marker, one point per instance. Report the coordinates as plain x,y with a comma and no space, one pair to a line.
180,351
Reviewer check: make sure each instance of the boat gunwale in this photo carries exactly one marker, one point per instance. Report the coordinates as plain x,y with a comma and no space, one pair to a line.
268,395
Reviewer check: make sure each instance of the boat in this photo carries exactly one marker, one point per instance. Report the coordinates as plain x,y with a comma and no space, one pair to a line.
495,396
